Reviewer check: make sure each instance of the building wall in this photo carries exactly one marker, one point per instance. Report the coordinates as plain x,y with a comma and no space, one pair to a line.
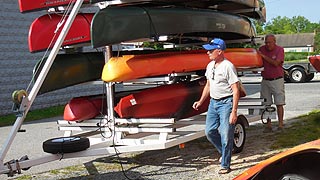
16,62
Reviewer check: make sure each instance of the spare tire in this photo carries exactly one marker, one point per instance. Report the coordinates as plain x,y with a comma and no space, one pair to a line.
66,145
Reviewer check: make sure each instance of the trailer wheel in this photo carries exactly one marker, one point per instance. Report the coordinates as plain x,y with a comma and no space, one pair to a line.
239,137
297,75
66,145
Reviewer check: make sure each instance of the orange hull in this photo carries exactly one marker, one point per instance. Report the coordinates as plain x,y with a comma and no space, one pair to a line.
315,61
257,171
128,67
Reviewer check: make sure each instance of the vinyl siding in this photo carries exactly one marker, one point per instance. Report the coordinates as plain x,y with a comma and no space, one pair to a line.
16,62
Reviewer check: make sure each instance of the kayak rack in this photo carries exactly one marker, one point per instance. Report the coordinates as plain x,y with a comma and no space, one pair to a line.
109,135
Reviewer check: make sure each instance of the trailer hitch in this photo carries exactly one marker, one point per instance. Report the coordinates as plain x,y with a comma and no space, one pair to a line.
14,166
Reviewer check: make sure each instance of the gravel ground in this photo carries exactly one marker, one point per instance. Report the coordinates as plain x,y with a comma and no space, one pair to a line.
198,160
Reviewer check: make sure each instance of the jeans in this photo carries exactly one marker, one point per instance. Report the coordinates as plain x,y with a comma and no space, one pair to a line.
218,129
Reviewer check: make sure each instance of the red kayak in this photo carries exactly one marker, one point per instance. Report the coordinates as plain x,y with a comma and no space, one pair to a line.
82,108
167,101
42,31
33,5
88,107
315,61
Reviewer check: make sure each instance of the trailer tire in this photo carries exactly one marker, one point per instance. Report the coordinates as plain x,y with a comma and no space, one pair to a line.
297,75
65,145
239,137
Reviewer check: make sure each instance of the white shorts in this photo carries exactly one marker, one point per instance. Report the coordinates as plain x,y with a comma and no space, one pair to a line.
273,92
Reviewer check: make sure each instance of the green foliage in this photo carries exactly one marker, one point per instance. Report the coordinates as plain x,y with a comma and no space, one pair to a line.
33,115
153,45
285,25
291,56
302,131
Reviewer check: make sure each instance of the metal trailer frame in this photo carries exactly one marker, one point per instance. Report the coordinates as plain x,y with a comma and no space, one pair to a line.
162,135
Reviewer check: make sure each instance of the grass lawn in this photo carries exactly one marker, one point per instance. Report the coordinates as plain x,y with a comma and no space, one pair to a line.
33,115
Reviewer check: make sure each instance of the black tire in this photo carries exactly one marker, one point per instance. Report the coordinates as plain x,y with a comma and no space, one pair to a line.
66,145
309,77
297,75
239,137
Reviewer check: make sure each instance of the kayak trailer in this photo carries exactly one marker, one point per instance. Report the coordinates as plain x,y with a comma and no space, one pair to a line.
109,135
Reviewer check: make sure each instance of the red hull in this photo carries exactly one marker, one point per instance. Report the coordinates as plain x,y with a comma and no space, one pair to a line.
82,108
315,61
42,29
167,101
88,107
33,5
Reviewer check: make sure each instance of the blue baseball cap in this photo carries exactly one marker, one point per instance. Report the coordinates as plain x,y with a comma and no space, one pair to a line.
216,43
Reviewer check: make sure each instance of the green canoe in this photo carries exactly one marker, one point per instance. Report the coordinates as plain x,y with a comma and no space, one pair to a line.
114,25
71,69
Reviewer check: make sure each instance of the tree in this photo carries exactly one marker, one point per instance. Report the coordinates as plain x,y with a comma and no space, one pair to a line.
301,24
285,25
279,25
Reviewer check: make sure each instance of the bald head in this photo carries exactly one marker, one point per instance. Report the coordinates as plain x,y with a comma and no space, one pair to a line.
270,41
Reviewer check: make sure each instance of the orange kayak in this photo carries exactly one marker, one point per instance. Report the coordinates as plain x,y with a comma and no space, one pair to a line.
300,162
128,67
315,61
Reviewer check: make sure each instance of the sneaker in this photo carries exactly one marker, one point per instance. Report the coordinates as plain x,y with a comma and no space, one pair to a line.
267,130
220,159
224,171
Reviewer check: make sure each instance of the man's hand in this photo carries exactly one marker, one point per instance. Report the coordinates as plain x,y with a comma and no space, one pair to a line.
233,117
196,105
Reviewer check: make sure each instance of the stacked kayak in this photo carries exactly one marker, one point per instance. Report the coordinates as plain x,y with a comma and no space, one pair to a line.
128,67
167,101
43,35
71,69
83,108
114,25
250,8
88,107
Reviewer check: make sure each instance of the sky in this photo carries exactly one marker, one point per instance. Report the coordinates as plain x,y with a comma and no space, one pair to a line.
289,8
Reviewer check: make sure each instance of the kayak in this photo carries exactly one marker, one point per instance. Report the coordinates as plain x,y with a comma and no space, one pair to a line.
71,69
129,67
299,162
315,61
36,5
114,25
88,107
166,101
83,108
250,8
42,31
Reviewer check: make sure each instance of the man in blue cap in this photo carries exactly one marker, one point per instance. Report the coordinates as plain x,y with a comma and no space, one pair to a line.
223,88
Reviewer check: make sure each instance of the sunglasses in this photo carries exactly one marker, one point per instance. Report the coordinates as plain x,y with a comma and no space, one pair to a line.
213,70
